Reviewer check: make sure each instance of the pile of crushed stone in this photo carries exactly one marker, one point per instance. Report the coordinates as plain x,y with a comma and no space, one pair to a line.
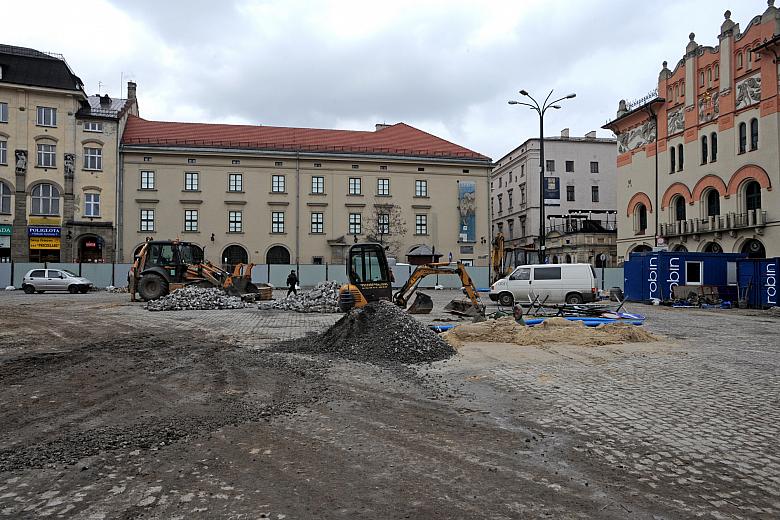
378,333
551,331
323,298
196,299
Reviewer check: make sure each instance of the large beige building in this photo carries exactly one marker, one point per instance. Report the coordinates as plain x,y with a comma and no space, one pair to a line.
698,160
293,195
59,150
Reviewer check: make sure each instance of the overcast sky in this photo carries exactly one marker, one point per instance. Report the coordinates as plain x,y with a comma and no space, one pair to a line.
447,67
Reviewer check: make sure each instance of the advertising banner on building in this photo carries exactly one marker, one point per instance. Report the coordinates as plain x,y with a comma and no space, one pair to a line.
44,221
467,205
552,190
44,242
43,231
6,230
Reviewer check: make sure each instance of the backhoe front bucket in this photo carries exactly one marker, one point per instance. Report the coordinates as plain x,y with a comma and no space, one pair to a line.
463,308
423,304
241,286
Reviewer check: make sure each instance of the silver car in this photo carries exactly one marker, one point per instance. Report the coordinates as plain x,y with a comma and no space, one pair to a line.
40,280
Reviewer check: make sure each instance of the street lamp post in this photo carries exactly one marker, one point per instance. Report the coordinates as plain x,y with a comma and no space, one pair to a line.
541,109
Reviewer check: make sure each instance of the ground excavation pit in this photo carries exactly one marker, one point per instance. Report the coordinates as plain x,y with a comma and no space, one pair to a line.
553,331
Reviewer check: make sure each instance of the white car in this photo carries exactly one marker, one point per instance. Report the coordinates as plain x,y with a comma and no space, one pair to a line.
559,283
40,280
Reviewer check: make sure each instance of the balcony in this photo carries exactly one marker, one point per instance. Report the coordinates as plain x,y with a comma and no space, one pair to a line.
583,226
716,224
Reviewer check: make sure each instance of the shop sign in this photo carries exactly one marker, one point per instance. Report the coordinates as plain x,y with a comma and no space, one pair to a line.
5,242
43,231
90,244
44,242
44,221
5,230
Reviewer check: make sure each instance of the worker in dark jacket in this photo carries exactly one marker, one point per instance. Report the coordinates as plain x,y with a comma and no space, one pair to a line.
292,281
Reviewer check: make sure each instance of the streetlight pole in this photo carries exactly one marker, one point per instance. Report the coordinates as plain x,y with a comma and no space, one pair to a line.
541,109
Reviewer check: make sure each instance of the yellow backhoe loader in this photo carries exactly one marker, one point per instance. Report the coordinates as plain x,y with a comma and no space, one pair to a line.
423,303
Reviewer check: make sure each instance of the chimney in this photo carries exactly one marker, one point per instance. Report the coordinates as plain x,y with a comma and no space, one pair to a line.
381,126
565,133
131,90
105,100
591,135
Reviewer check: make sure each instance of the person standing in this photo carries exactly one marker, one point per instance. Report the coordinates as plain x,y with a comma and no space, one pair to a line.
292,282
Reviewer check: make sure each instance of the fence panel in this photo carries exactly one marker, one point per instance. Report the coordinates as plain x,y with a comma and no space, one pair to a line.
260,273
310,275
401,274
279,273
21,268
338,273
480,276
65,266
5,275
98,274
613,277
120,274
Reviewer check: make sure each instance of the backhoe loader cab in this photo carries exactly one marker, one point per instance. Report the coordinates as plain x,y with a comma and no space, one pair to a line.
370,277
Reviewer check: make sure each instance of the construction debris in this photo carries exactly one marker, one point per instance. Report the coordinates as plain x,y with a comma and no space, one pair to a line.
552,331
116,290
323,298
377,333
196,299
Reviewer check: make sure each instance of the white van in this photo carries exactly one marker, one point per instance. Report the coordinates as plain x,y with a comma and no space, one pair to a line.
570,283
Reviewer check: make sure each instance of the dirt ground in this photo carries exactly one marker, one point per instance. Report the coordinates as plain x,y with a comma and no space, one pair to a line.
110,411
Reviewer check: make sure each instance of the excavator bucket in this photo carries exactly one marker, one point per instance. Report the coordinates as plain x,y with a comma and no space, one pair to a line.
423,304
464,308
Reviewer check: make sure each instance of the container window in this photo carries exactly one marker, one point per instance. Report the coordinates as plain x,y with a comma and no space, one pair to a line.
693,273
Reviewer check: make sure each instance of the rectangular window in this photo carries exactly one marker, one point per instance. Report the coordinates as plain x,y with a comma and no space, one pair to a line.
277,222
147,180
47,154
510,198
383,223
318,184
278,163
355,224
277,184
594,193
235,221
317,222
191,161
550,165
235,161
3,152
569,166
383,187
355,166
191,181
522,193
421,224
547,273
147,159
92,204
354,186
693,271
383,167
594,167
190,220
318,165
47,116
45,200
147,220
570,193
93,126
93,158
3,112
235,182
420,188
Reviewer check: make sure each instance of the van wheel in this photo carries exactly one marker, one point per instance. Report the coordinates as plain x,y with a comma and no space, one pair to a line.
574,298
28,289
506,299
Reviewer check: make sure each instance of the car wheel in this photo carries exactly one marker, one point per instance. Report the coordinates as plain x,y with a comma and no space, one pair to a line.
83,289
39,292
28,289
73,289
506,299
574,298
152,286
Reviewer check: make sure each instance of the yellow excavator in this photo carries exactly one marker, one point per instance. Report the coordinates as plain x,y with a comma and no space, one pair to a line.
370,279
498,258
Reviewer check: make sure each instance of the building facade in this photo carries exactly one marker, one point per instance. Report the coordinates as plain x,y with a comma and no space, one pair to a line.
698,158
290,195
59,151
579,200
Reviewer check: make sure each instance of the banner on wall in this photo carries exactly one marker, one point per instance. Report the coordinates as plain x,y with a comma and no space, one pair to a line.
44,242
467,206
552,190
43,231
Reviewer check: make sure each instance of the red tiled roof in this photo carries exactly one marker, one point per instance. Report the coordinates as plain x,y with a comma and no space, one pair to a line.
398,139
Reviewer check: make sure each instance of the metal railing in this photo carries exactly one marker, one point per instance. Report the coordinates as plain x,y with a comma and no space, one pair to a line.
714,224
641,101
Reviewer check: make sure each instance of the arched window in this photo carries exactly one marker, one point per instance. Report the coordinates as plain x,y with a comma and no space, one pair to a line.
754,249
45,200
568,259
679,248
676,92
5,198
704,149
749,56
277,255
753,134
672,163
713,203
640,219
680,157
739,60
742,137
701,78
233,255
717,71
713,147
679,208
752,196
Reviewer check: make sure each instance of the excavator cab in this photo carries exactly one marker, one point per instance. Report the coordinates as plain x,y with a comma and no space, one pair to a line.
370,278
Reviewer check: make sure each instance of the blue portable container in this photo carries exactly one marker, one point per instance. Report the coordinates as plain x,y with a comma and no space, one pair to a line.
650,275
758,281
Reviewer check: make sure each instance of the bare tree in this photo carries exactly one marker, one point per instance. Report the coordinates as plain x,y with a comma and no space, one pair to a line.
385,224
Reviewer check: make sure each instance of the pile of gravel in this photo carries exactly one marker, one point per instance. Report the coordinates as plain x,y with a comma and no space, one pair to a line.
377,333
323,298
196,299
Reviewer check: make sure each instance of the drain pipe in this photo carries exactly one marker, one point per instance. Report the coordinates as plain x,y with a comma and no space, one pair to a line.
654,115
298,213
